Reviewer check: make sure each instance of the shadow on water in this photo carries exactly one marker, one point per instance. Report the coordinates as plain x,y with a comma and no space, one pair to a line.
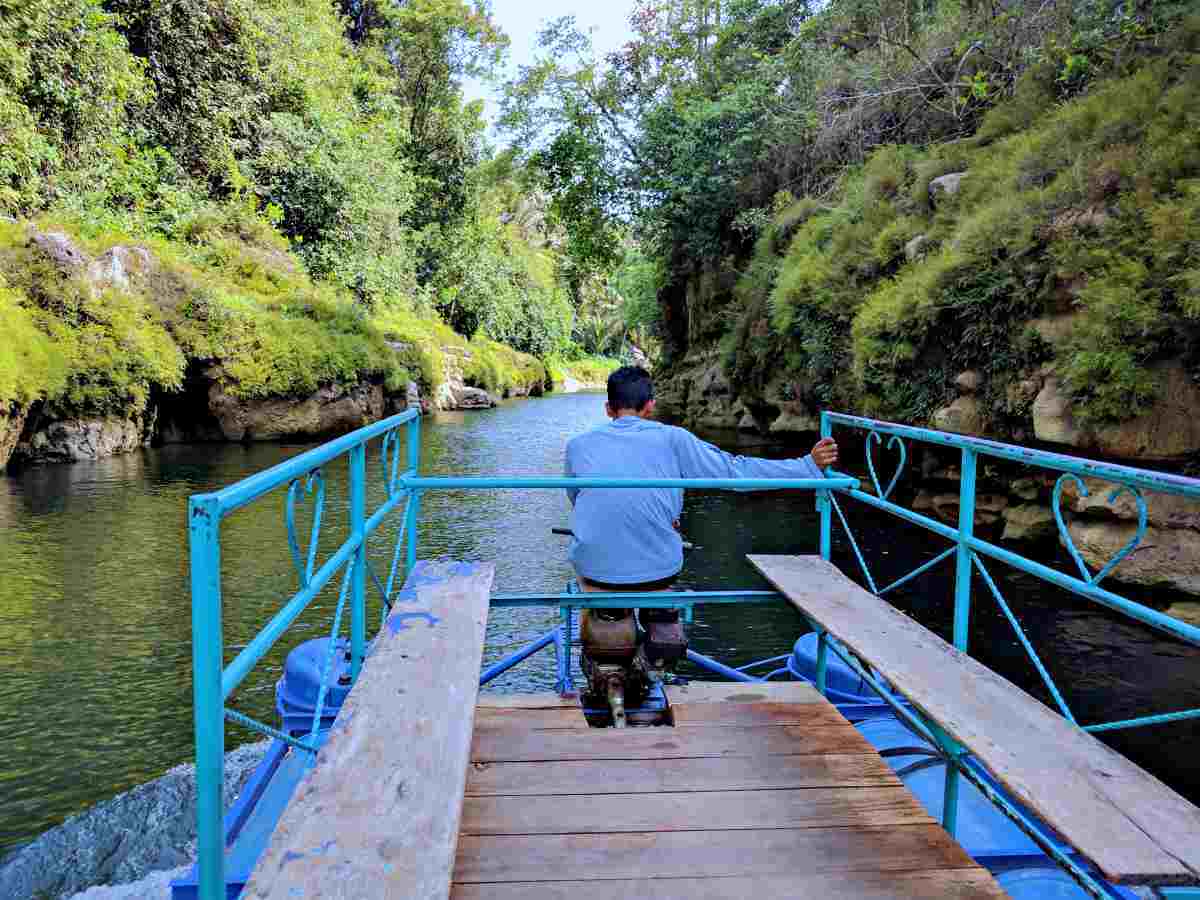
95,668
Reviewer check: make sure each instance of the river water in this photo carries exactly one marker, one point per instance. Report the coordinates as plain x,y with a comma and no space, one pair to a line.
95,665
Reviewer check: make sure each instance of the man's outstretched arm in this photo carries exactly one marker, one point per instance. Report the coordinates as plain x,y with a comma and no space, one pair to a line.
700,459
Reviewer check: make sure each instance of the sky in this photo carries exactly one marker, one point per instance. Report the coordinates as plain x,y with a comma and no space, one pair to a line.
521,20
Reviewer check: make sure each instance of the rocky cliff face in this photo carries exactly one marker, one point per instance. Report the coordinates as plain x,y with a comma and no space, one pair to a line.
1012,505
206,410
46,439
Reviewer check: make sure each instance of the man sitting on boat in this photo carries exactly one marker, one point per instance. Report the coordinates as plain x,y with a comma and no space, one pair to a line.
628,540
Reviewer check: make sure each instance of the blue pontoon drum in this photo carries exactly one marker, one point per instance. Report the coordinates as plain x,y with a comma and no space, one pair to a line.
842,684
297,691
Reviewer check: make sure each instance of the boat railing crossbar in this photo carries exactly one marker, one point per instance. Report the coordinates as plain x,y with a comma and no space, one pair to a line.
398,441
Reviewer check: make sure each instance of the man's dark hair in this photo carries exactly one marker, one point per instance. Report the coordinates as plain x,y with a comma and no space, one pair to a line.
630,387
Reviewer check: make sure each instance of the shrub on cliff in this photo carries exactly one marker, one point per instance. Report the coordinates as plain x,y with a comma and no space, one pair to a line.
32,365
1084,212
422,342
95,347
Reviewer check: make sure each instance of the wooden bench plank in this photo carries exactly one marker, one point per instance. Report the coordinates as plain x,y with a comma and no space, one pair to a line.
934,884
512,745
705,854
378,815
644,776
1130,825
697,811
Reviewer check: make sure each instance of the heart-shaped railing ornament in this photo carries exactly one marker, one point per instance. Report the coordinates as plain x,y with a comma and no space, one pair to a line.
893,441
1069,542
305,563
391,464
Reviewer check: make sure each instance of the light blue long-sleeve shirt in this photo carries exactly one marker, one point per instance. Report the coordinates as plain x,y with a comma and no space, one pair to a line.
625,535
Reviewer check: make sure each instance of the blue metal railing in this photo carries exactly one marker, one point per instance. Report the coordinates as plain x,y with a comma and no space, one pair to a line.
304,480
969,550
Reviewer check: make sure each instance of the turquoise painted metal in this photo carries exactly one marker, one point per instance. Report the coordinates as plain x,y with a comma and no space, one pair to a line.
962,559
303,477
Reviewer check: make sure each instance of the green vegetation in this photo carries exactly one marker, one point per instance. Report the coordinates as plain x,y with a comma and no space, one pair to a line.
775,158
1082,213
587,370
307,182
31,365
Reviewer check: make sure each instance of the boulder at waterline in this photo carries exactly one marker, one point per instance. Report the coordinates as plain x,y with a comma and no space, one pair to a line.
1028,522
76,440
146,829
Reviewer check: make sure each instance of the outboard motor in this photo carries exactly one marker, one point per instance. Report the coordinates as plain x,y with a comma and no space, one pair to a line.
622,662
610,643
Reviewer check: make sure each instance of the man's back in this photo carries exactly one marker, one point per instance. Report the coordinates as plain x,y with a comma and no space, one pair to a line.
627,536
623,535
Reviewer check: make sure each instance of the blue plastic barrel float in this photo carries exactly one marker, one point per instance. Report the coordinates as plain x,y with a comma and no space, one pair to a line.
989,836
296,692
842,684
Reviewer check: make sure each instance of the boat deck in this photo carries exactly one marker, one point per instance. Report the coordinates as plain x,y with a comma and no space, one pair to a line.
759,791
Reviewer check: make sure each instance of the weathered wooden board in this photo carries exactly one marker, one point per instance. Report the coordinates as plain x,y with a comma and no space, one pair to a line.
741,715
530,719
1130,825
641,776
705,854
741,693
378,815
934,884
507,745
543,700
695,811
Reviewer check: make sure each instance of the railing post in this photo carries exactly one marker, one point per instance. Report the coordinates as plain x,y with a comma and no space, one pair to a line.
562,653
204,536
414,444
966,528
824,507
410,528
358,578
953,750
414,501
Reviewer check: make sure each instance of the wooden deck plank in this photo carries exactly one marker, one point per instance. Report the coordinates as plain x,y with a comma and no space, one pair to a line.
512,745
541,700
1130,825
530,719
648,776
705,854
933,884
743,714
704,811
378,815
743,693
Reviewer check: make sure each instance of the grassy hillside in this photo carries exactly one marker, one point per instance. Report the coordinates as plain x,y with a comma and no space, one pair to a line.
226,291
1070,242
